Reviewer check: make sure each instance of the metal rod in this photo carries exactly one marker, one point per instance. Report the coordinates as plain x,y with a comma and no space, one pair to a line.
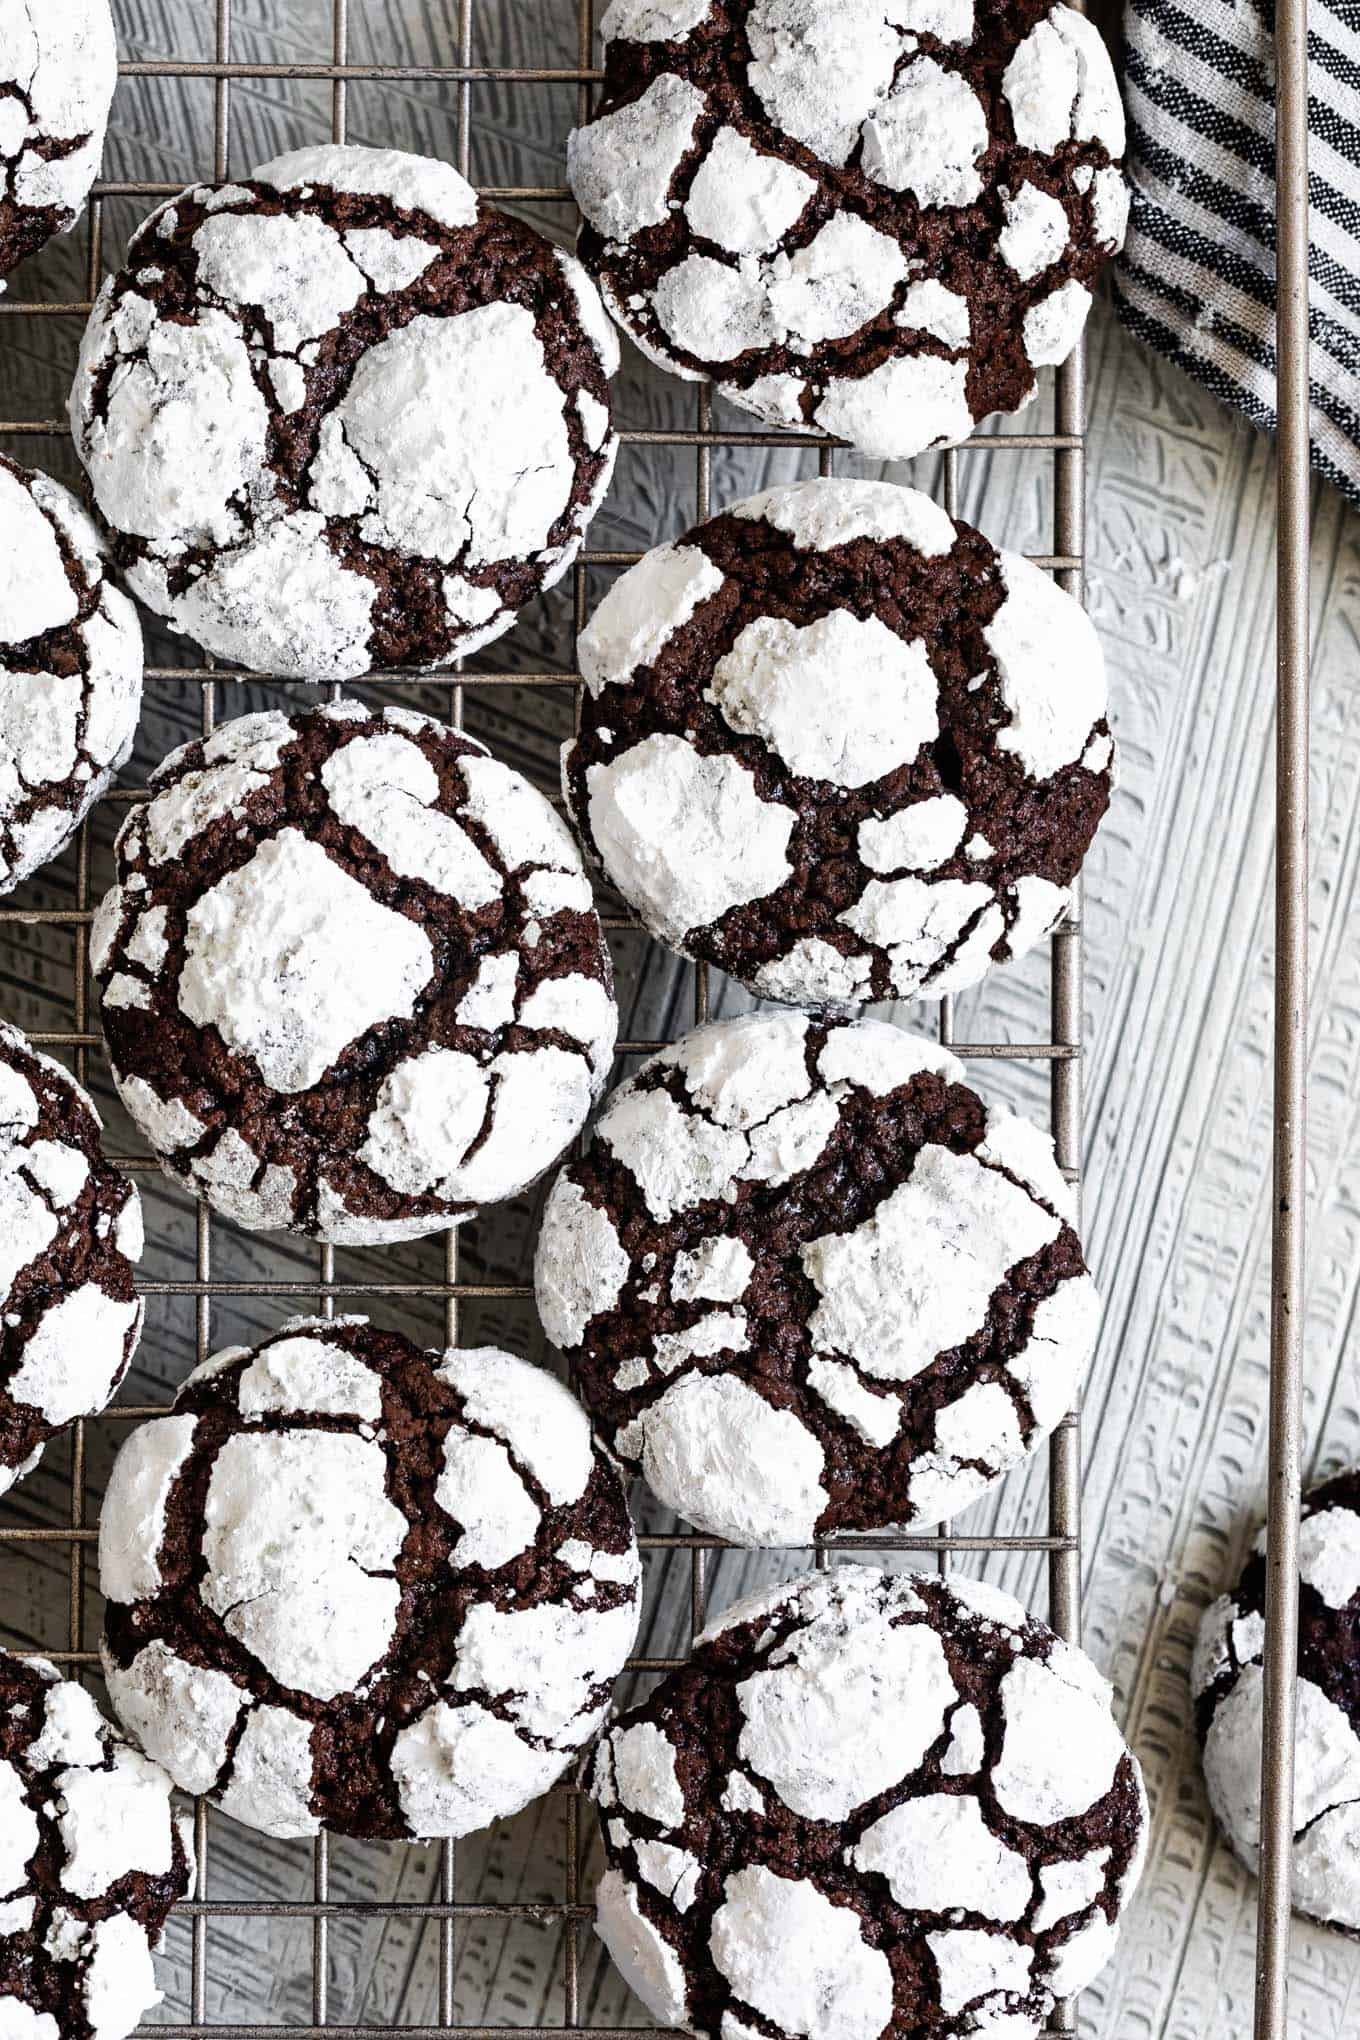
1291,1016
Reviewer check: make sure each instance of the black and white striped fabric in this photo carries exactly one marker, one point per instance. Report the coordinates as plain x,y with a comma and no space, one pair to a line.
1197,277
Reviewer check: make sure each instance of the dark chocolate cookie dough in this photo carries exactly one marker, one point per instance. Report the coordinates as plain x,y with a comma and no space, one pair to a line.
351,977
58,68
810,1282
70,1234
869,1804
1228,1679
359,1586
841,746
91,1861
876,219
342,416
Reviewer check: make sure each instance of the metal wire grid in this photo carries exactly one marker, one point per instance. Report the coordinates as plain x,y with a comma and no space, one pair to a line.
1061,1052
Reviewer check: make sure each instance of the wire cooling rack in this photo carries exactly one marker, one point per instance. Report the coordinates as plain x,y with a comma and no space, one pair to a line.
217,76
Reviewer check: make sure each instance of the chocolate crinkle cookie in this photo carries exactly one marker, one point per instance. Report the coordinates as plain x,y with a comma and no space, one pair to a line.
351,977
91,1860
341,415
358,1586
877,219
869,1804
810,1282
70,1235
841,746
1228,1681
70,670
58,68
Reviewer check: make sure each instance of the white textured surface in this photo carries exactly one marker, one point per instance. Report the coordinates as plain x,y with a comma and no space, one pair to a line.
531,1411
686,837
298,1536
937,1852
292,959
718,1453
927,136
799,1960
843,699
850,1709
132,1523
886,1299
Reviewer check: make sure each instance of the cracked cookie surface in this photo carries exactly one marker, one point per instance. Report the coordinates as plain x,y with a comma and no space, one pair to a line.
91,1860
352,980
70,1236
70,670
868,1804
341,415
879,219
840,745
359,1586
58,68
809,1282
1228,1682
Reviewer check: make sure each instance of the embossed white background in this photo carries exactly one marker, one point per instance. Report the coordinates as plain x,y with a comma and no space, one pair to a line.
1178,920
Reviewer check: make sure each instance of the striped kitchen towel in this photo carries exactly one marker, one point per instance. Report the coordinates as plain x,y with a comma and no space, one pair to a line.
1197,277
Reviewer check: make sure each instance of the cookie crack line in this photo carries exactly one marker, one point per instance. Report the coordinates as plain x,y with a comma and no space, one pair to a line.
271,1064
759,1324
250,1633
339,516
914,1845
763,763
729,170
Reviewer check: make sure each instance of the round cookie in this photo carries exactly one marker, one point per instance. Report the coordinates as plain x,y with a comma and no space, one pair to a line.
869,1803
1227,1680
841,746
91,1861
809,1282
358,1586
70,670
341,415
351,977
70,1234
879,220
58,68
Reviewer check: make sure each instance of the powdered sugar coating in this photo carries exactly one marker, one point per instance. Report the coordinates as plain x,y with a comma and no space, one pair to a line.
70,669
91,1860
276,479
857,1878
1227,1680
70,1237
58,69
839,745
445,1584
778,1356
808,205
339,905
